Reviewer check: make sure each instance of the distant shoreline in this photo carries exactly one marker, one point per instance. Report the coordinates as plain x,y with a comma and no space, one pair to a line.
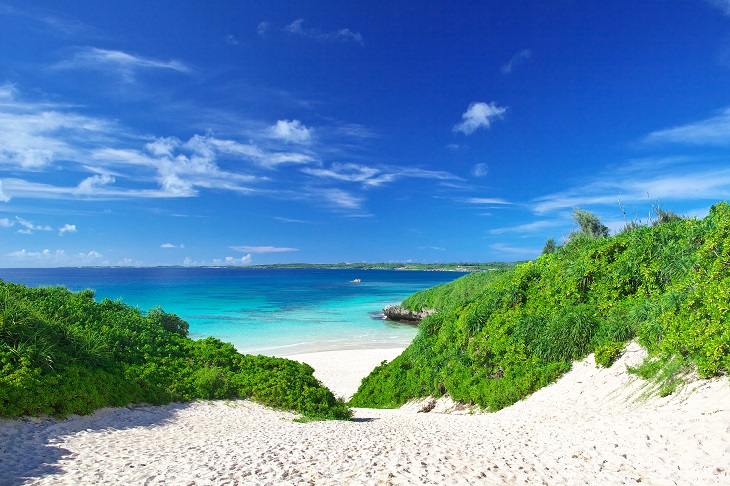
430,267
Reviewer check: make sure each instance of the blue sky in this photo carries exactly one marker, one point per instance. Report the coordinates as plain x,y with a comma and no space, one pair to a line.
200,133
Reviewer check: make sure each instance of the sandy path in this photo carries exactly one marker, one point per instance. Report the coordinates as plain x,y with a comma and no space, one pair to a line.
580,430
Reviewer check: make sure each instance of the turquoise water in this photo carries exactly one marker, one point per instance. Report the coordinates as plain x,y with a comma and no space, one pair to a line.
260,311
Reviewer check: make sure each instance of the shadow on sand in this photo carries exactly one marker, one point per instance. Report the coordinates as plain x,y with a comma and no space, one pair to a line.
28,447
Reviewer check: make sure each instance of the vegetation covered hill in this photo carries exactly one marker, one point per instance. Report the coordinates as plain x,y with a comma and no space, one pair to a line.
499,336
63,352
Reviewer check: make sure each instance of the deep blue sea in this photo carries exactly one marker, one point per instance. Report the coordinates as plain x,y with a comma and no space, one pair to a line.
261,311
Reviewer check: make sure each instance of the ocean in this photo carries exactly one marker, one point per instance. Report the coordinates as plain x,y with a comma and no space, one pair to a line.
276,312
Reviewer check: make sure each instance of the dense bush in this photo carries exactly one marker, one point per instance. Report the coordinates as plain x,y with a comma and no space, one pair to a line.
499,336
63,352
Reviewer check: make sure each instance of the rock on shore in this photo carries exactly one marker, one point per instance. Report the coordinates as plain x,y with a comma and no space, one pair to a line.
401,314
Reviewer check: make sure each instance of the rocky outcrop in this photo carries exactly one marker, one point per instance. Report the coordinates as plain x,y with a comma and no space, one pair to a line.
400,314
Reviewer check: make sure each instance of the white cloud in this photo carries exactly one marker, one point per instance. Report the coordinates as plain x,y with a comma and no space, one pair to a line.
26,255
347,172
486,200
636,181
125,64
479,115
30,227
291,131
480,170
163,146
22,188
33,136
55,258
7,91
262,249
297,28
340,198
228,261
263,28
289,220
231,40
712,131
517,253
6,223
92,184
534,227
67,228
67,25
3,197
374,177
170,245
128,262
516,60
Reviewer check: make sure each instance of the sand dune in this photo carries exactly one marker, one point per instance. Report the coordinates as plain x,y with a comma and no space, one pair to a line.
592,427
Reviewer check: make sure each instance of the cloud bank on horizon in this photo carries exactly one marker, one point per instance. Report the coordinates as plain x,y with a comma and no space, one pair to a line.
317,135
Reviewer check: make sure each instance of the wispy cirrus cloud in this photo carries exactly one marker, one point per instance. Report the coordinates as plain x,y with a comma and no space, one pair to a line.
636,182
29,226
515,252
33,135
723,5
711,131
118,61
479,115
59,22
170,245
113,163
262,249
344,34
339,198
290,220
520,58
374,176
534,227
3,196
486,201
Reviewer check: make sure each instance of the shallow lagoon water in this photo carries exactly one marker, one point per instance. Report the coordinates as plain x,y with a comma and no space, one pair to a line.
261,311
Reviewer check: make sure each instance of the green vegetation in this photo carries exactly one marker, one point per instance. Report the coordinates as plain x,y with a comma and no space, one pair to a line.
63,352
499,336
454,267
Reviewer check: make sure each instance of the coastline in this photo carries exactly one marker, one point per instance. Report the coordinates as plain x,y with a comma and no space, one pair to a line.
590,427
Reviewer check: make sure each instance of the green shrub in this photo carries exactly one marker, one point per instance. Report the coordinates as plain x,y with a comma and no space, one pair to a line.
499,336
607,353
62,352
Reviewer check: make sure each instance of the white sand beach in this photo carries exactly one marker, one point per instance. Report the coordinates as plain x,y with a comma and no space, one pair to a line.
592,427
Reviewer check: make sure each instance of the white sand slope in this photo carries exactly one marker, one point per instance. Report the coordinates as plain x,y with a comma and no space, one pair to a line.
580,430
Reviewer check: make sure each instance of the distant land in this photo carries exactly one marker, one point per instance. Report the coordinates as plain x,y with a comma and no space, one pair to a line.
433,267
445,267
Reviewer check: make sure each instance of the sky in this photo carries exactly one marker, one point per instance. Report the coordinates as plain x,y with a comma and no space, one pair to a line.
239,133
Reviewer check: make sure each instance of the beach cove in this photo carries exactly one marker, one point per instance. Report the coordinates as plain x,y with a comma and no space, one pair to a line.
591,427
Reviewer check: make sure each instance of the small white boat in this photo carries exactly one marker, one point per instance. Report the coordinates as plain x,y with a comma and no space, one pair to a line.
357,280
